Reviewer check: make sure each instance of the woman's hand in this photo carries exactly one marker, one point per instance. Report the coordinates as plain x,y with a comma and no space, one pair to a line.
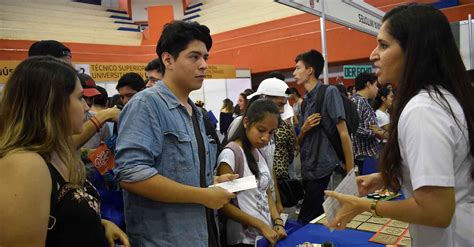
280,230
113,232
350,206
225,177
269,234
369,183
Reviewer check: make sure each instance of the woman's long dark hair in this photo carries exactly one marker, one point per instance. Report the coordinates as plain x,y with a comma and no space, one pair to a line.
432,61
378,102
256,111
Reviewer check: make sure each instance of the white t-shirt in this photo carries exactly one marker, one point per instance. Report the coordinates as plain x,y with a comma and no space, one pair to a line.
435,152
253,202
383,118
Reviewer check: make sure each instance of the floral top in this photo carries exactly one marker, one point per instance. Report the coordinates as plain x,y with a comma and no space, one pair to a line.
75,214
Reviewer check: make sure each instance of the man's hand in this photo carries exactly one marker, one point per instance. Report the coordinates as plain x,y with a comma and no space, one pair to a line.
216,197
312,121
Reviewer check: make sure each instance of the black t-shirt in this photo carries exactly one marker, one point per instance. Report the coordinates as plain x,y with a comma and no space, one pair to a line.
211,226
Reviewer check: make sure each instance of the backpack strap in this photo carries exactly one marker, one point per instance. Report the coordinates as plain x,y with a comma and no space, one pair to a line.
320,96
238,157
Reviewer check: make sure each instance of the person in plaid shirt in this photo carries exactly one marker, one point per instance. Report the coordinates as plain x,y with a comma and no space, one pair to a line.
364,140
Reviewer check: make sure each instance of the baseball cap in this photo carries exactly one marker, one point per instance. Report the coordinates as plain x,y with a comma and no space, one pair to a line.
271,87
49,47
275,87
89,86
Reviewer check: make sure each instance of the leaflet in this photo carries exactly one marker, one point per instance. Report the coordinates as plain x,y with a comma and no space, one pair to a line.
347,186
240,184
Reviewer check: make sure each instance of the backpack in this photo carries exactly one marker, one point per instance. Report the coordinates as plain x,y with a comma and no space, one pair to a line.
352,121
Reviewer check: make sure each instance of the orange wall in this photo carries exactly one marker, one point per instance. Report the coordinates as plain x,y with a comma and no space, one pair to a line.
18,50
158,16
273,45
262,47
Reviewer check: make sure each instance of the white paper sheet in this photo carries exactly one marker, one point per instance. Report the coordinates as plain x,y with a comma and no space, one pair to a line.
347,186
284,218
239,184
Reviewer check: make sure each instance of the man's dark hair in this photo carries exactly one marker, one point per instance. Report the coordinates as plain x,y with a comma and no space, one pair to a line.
276,74
49,47
132,80
154,65
102,98
313,59
362,79
178,34
293,90
115,101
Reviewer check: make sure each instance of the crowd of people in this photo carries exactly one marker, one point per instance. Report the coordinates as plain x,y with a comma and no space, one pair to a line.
414,115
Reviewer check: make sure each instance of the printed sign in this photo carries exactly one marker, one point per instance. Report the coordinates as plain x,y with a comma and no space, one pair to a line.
351,71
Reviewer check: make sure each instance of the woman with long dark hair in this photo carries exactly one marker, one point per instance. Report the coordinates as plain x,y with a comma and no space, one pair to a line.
381,104
429,153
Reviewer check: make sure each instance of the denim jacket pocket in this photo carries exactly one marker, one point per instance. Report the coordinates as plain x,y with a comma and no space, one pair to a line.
177,156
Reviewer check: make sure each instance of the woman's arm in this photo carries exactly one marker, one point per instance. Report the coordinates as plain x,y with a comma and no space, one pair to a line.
429,206
25,194
278,226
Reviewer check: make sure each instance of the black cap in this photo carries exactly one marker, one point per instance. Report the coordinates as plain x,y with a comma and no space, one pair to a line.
49,47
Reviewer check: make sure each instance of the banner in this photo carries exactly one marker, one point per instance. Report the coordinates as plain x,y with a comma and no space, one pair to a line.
112,72
220,72
107,72
6,69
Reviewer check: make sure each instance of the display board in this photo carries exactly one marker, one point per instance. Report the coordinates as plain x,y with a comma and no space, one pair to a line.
357,14
214,91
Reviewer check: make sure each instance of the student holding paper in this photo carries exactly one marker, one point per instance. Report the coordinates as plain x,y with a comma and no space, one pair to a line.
429,153
253,212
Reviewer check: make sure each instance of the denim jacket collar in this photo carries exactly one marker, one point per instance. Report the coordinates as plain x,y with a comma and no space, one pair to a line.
171,99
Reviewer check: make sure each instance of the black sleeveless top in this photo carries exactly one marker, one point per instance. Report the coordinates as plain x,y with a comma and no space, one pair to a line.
75,214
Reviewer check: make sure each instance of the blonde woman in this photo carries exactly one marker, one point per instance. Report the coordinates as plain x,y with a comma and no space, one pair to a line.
46,200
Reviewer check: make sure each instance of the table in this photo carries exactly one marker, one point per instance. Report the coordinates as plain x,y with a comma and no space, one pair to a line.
316,233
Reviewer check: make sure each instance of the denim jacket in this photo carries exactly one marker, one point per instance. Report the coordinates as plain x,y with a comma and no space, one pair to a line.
156,136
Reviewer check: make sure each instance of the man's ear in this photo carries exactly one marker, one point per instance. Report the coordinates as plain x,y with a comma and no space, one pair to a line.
168,60
368,84
311,71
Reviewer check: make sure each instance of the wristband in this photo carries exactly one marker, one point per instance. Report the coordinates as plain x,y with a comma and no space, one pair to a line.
373,208
278,225
277,219
97,128
97,121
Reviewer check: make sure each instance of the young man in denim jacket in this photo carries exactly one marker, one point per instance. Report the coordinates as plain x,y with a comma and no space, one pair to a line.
164,159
